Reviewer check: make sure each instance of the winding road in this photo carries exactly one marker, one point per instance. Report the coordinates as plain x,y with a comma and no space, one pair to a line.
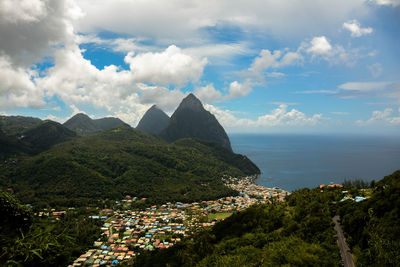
344,248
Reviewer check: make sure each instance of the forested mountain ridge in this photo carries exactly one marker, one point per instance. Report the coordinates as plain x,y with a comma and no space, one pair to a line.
45,135
16,125
125,161
82,124
34,140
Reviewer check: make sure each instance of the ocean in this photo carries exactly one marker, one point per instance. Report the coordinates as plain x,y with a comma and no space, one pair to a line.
293,161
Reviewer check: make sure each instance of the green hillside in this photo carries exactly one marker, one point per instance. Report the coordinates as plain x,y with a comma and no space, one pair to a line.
124,161
372,226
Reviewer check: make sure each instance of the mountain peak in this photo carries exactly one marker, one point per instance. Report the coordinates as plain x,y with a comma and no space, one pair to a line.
191,102
153,121
191,120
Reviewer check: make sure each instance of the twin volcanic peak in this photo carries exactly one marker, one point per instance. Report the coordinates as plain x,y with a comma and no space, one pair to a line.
153,121
191,120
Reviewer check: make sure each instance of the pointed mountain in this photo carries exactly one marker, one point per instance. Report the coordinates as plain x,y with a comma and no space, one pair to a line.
190,119
153,121
82,124
45,135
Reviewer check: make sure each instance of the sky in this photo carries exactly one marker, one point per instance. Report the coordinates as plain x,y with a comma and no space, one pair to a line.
260,66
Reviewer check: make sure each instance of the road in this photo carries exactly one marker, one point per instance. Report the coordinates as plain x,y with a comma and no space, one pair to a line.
344,248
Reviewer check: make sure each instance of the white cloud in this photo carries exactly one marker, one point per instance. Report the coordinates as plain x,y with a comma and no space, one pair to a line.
363,86
208,94
385,117
164,98
277,75
31,29
319,46
17,88
267,60
184,22
279,117
23,10
375,69
237,89
383,89
393,3
355,28
170,66
218,53
316,92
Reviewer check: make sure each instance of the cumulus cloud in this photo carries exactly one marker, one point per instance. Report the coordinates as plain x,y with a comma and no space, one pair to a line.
170,66
276,59
17,88
385,117
355,28
320,48
29,29
279,117
237,89
208,94
164,98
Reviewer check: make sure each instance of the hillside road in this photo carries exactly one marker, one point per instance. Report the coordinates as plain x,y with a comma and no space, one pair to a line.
344,248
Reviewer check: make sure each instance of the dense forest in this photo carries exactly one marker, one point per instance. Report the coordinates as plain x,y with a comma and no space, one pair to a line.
120,161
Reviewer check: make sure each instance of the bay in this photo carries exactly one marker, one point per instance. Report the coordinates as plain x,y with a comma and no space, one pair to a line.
292,161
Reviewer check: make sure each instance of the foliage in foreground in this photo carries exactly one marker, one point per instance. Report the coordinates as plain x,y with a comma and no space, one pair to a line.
29,241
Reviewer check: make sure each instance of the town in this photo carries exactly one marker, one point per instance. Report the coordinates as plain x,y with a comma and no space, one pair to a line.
126,232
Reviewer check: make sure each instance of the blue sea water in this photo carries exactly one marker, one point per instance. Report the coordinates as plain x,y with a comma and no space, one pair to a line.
296,161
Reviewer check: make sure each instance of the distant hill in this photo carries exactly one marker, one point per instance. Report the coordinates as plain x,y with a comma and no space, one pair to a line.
84,125
153,121
16,125
45,135
190,119
123,161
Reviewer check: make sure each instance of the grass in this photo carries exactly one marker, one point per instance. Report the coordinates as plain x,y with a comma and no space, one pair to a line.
219,216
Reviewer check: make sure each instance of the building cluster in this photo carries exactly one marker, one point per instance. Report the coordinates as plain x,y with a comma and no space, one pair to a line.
127,232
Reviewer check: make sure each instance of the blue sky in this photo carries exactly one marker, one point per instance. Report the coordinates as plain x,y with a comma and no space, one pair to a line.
259,66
